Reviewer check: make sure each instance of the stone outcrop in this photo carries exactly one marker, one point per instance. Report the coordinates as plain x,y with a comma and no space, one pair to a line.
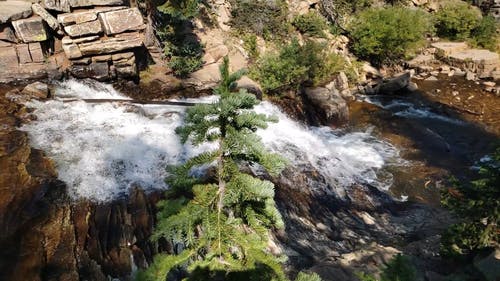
14,10
328,104
46,16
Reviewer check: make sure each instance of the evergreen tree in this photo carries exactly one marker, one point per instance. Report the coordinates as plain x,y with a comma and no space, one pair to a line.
222,224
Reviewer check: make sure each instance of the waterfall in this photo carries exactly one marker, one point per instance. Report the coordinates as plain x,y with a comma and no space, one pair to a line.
102,150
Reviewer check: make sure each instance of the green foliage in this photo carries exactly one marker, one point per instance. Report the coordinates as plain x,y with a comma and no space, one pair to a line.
398,268
456,20
266,18
312,24
485,34
181,9
308,277
385,35
297,64
477,204
250,45
184,51
223,222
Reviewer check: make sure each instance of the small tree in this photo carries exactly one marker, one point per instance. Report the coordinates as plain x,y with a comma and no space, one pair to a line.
223,223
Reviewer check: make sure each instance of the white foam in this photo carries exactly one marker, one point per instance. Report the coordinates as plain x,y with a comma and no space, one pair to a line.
102,150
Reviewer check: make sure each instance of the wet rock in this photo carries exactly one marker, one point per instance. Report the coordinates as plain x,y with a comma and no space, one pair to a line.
30,30
84,29
46,16
490,265
36,90
330,105
115,22
57,5
96,70
7,34
14,10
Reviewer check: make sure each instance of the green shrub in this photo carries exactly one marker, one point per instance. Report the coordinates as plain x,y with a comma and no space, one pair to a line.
477,204
485,34
456,20
311,24
295,65
385,35
267,18
250,45
308,277
398,268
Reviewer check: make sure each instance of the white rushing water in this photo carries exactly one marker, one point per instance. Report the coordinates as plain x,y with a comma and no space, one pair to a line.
102,150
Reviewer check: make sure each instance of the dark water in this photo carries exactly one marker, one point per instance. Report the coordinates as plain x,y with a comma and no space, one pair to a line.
443,130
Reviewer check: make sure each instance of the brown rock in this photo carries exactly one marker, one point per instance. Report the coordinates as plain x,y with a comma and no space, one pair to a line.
84,29
77,17
101,58
7,34
111,45
96,70
36,52
46,16
23,52
115,22
8,59
120,56
14,10
30,30
36,90
72,51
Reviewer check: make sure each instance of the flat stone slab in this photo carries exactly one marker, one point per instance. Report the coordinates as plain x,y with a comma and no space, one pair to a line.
115,22
85,16
57,5
30,30
46,16
84,29
89,3
111,45
8,59
14,10
476,55
446,48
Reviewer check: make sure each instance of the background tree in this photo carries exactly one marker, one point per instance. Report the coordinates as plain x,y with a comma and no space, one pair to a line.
221,224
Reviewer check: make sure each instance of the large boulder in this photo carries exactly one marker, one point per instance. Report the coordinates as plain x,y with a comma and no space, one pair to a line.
30,30
37,90
394,85
119,21
14,10
328,104
96,70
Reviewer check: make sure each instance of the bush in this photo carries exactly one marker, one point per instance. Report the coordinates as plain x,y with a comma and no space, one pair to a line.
456,20
385,35
267,18
399,268
308,277
485,34
478,206
311,24
295,65
250,45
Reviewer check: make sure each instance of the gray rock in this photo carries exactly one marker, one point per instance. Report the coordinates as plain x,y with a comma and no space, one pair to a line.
36,90
470,76
394,85
111,45
77,17
88,3
72,51
30,30
84,29
431,78
14,10
57,5
115,22
97,70
7,34
329,104
46,16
